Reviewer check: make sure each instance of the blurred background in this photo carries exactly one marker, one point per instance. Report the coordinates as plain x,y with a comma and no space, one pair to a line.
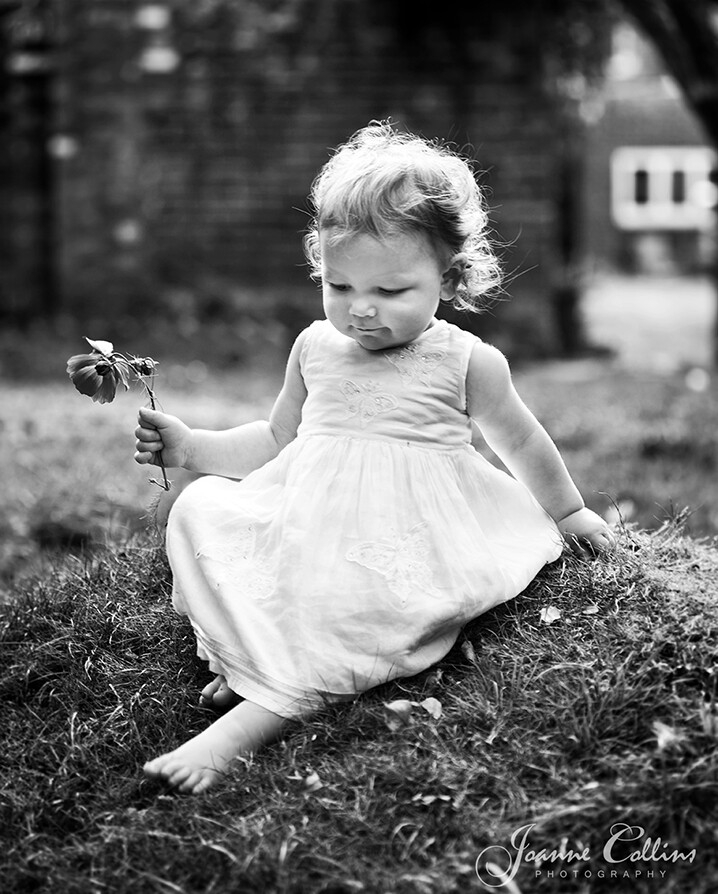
156,158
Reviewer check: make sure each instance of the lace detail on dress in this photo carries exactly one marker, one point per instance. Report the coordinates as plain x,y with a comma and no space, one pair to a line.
401,560
367,400
415,364
235,562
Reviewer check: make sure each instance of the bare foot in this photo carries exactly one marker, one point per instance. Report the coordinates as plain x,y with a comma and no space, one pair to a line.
217,694
200,762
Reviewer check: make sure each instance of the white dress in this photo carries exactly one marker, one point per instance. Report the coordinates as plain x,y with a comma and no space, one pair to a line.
358,553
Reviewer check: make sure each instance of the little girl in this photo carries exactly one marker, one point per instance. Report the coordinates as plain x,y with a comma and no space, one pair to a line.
364,530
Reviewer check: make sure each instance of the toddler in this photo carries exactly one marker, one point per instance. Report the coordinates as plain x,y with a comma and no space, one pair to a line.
347,540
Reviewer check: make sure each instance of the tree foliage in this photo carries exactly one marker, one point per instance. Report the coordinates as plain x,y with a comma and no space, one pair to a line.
685,32
571,37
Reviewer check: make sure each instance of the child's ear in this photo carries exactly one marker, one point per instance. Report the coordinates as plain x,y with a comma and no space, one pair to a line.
452,275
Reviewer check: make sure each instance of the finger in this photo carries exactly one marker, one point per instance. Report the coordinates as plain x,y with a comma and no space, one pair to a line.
150,418
144,458
575,544
148,446
147,434
603,541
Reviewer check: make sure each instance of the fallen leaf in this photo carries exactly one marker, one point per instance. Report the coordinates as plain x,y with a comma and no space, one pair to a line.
312,782
398,714
468,650
590,610
434,677
667,736
433,706
709,719
426,800
550,615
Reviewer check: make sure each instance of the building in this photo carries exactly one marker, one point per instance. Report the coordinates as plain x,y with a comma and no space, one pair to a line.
650,175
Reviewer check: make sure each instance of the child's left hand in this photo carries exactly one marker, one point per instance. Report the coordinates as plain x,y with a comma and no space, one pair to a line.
586,533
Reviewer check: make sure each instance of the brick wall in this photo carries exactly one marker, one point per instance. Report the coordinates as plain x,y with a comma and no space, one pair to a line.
185,138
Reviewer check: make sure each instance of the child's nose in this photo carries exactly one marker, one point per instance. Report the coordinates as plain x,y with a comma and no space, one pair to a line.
362,307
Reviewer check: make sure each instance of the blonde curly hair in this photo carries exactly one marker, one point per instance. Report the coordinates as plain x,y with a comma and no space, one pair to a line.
385,183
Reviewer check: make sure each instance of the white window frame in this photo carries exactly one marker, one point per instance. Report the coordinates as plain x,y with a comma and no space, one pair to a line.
660,212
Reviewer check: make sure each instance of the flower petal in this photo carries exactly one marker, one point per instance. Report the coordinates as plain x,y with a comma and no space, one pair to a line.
105,394
121,372
78,361
87,381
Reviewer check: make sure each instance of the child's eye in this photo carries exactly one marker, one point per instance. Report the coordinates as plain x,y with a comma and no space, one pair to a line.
338,287
390,292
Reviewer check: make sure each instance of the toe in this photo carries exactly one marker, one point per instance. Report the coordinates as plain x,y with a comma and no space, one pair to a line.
178,775
193,784
153,768
224,697
208,696
206,782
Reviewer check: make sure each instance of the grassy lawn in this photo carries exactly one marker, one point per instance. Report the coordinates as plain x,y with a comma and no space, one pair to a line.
598,727
639,440
70,480
600,723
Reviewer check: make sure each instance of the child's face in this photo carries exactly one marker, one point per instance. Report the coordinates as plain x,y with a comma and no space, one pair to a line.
381,293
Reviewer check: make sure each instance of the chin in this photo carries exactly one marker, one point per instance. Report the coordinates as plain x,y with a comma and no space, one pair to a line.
370,343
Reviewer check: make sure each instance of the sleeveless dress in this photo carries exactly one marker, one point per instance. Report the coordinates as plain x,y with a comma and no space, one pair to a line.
359,552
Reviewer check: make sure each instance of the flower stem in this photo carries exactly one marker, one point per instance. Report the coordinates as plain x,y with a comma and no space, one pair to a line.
166,484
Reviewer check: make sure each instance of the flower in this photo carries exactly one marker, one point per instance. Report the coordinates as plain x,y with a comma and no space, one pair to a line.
98,374
143,366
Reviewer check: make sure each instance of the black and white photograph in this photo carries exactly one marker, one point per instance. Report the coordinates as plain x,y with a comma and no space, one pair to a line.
358,447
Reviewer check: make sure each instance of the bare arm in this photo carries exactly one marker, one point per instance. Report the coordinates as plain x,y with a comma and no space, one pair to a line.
238,451
232,453
521,442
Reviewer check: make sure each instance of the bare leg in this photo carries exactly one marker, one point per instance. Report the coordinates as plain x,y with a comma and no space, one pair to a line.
198,764
217,694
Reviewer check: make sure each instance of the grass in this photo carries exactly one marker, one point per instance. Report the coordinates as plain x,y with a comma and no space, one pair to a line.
69,478
640,440
606,716
544,724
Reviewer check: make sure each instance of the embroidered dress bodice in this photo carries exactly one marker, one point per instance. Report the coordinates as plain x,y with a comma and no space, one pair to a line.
357,554
415,394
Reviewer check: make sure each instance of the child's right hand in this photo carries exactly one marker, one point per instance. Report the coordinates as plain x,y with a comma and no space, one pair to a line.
586,533
160,432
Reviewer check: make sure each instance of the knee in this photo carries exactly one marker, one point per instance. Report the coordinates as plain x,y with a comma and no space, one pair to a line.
181,479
